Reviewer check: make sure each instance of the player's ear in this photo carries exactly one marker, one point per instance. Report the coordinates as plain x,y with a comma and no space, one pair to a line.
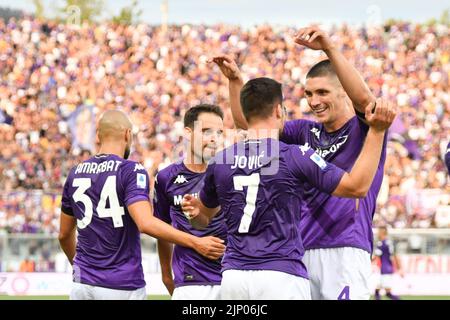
188,132
97,137
128,135
279,111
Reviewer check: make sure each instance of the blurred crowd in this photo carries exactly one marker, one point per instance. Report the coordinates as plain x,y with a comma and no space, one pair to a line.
49,70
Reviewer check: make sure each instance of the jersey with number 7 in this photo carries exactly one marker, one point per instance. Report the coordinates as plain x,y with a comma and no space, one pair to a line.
259,185
97,192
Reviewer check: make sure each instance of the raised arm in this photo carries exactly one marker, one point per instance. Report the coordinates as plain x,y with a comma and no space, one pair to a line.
231,71
357,183
351,80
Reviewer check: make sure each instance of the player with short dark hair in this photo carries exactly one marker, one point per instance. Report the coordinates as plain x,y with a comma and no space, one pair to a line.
195,277
106,199
260,184
337,232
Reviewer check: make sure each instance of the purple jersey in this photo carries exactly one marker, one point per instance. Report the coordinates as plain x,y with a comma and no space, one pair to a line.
447,157
259,186
189,267
329,221
385,250
97,192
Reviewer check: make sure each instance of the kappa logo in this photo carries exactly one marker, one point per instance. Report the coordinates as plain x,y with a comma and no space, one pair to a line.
180,179
138,167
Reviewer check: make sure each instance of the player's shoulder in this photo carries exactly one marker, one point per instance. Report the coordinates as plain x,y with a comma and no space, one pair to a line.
299,125
164,175
296,149
131,165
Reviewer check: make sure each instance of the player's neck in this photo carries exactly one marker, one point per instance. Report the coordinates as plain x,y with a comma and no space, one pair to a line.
263,130
109,148
194,164
338,123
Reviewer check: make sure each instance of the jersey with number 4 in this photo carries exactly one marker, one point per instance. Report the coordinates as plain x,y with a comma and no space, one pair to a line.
259,185
97,193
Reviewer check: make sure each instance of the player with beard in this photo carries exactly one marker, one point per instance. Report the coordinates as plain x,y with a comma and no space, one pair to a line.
260,184
106,199
194,276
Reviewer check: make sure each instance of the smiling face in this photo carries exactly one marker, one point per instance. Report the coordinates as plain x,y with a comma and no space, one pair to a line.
326,98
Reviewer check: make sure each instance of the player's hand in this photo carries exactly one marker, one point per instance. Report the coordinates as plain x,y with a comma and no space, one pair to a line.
168,283
210,247
380,114
190,206
228,67
313,38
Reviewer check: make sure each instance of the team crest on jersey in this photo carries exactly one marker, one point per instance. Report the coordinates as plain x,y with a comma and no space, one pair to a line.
304,148
180,179
141,180
316,132
318,160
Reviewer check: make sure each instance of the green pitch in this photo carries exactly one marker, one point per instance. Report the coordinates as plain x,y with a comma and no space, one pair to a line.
165,297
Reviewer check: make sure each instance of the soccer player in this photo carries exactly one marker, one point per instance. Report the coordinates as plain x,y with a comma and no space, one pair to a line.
196,277
337,232
385,252
106,198
259,185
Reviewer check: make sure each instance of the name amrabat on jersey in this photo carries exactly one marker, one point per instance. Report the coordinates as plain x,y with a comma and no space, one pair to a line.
95,168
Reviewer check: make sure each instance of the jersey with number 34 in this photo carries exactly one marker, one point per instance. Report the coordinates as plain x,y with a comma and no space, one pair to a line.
259,185
97,193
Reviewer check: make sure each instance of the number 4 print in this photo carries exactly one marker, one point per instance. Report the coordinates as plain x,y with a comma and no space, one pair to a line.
345,293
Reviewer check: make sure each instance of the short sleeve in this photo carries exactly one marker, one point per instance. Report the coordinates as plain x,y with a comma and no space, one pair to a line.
208,194
309,167
135,183
161,204
66,202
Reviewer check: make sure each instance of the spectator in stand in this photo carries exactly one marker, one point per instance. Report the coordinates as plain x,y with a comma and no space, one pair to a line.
49,70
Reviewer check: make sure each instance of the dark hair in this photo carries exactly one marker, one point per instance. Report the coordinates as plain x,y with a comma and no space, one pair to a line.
323,68
259,97
193,113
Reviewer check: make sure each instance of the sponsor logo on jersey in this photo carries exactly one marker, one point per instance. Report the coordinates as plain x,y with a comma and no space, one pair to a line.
333,148
177,199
